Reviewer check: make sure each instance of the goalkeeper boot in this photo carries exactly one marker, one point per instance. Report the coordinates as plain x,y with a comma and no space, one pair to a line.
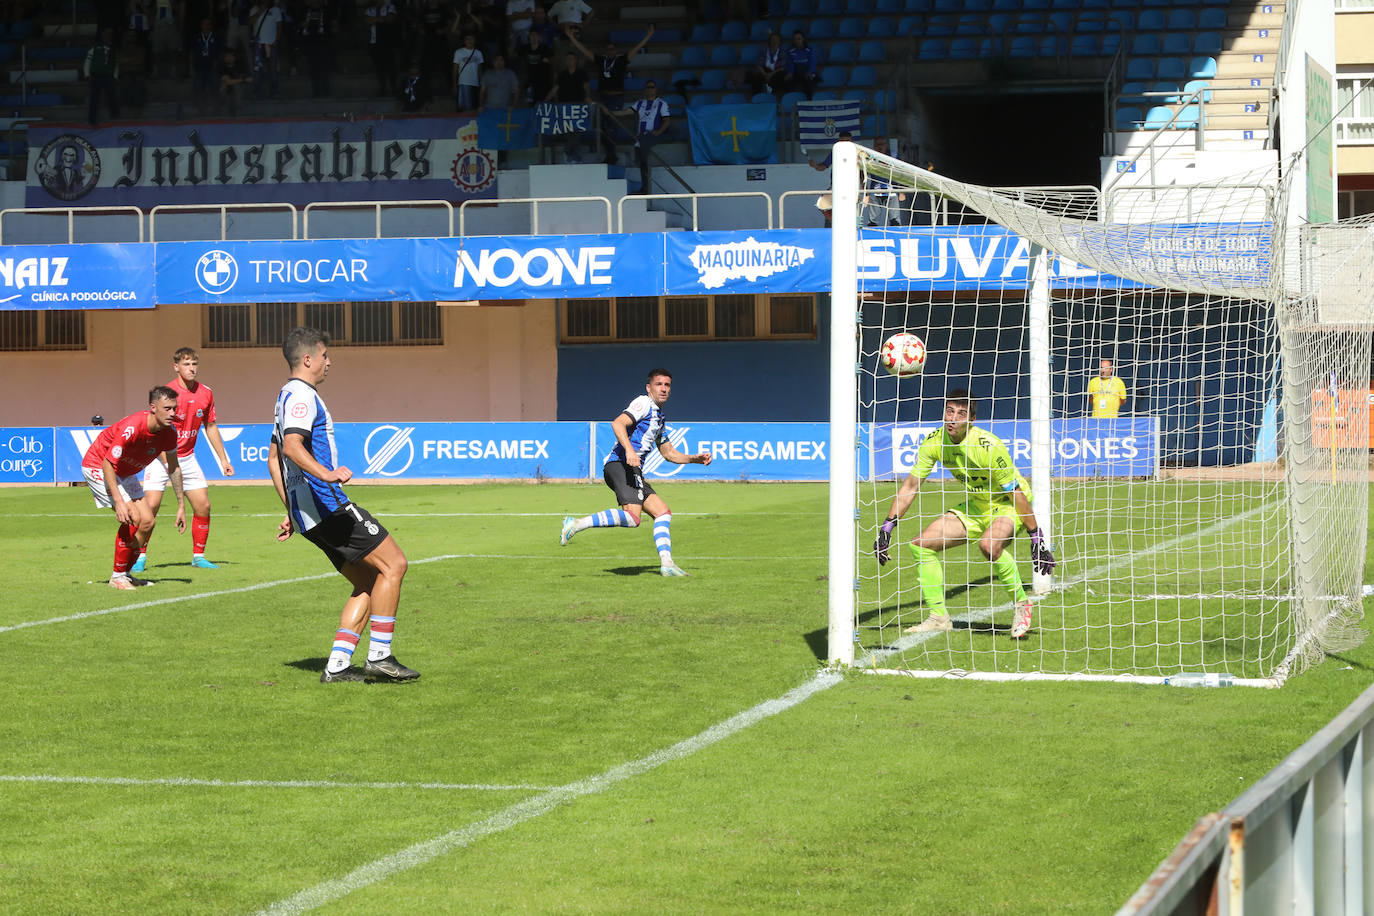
140,564
569,529
391,669
349,674
672,570
936,623
1021,620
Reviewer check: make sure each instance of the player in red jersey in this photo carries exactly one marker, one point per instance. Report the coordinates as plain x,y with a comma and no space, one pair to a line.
111,468
195,408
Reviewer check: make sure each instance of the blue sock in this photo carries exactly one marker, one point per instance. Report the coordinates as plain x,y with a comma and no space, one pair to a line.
663,540
613,518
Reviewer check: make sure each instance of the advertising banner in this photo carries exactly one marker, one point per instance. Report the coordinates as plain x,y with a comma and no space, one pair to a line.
1082,446
739,451
26,454
287,161
539,267
778,261
93,276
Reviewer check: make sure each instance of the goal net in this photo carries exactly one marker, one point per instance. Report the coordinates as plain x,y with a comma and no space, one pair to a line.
1213,521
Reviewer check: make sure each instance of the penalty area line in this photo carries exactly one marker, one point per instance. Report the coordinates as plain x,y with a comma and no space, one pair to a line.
543,803
180,781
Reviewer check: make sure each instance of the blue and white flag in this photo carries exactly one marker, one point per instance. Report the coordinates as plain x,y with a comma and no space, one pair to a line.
506,128
733,134
820,123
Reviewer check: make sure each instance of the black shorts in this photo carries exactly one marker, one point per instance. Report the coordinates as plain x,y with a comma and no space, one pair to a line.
628,484
347,535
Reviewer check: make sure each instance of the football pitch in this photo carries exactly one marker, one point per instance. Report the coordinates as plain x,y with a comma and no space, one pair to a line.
587,736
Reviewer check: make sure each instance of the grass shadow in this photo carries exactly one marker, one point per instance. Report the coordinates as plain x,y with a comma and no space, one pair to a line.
633,570
313,665
818,640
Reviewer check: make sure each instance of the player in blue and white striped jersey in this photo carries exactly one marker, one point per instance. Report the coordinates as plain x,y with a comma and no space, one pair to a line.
639,429
305,469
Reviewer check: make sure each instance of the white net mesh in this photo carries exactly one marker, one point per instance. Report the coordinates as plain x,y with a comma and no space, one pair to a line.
1216,520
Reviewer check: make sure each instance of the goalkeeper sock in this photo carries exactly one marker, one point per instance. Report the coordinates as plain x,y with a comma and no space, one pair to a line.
663,540
1009,574
931,573
608,518
380,631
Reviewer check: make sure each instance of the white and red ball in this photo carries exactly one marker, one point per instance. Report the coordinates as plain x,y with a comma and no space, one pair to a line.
903,355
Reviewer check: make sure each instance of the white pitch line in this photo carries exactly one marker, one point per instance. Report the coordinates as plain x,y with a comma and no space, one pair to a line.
180,781
424,852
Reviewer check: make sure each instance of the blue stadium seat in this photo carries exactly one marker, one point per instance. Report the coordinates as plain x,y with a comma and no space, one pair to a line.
830,8
1110,42
841,52
1150,21
1181,20
789,100
826,95
1035,4
788,27
713,80
1084,46
1202,68
989,48
999,23
1207,44
909,24
800,7
684,76
1131,92
1008,6
821,28
1156,3
1030,24
734,31
834,76
939,24
863,75
1188,117
872,51
702,98
931,49
1170,68
759,30
888,6
858,6
1163,92
1158,118
885,99
734,98
1198,86
1211,18
1050,46
748,55
880,27
963,48
763,98
874,125
693,56
1127,118
1140,68
918,6
1065,4
1125,18
977,6
1025,46
1144,44
852,27
949,6
969,24
855,95
676,103
704,32
1176,43
724,56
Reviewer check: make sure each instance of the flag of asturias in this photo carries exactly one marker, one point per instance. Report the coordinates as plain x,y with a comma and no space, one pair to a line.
506,128
733,134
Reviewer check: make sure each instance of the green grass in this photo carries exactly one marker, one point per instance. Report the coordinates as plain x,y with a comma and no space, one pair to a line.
545,666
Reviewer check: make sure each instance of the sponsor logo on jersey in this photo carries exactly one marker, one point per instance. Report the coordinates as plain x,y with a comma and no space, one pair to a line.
747,260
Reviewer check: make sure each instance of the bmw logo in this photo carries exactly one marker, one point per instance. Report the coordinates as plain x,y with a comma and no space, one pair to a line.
216,272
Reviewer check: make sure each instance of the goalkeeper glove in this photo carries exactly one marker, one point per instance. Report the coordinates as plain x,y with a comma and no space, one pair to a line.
1042,561
884,540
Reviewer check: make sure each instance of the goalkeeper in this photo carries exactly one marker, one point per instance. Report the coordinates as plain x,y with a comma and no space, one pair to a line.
998,501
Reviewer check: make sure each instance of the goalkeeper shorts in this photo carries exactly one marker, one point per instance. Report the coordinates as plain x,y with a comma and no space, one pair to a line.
977,523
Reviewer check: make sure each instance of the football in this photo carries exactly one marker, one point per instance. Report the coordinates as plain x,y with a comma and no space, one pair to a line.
903,355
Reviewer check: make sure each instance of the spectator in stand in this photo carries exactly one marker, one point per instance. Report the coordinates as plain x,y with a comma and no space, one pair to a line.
414,90
102,70
540,22
571,87
801,66
165,38
237,33
611,68
317,43
232,76
467,73
519,18
536,67
435,55
652,117
382,20
140,33
500,86
770,72
266,19
570,15
206,50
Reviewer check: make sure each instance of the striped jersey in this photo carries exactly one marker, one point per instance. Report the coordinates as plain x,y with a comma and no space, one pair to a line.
650,428
299,410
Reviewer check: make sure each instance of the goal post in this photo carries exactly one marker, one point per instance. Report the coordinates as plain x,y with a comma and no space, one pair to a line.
1213,521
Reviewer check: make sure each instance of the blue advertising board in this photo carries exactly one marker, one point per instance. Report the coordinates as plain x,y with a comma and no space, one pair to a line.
739,451
90,276
777,261
26,454
1082,446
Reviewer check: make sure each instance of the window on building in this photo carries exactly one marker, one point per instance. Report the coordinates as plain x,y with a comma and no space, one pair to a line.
724,317
1355,108
362,324
47,329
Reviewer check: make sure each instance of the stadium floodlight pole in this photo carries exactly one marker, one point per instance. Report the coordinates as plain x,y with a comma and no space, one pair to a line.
1042,439
844,409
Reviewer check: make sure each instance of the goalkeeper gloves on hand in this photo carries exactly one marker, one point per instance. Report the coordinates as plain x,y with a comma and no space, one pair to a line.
1042,561
884,540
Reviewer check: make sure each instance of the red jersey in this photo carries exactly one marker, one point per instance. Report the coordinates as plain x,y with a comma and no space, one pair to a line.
129,445
194,409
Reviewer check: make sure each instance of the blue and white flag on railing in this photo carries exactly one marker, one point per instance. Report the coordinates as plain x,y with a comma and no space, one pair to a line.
733,134
507,128
820,123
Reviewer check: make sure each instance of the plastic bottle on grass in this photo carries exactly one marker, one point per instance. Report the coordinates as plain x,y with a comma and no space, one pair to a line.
1198,679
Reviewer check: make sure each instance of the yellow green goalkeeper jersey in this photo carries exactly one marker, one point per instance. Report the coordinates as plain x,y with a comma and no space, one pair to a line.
981,463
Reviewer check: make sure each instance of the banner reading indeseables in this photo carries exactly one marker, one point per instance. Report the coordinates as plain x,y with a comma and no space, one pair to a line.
296,162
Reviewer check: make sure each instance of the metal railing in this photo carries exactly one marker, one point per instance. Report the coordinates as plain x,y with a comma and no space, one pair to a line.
1301,840
695,198
534,203
223,210
376,206
71,213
